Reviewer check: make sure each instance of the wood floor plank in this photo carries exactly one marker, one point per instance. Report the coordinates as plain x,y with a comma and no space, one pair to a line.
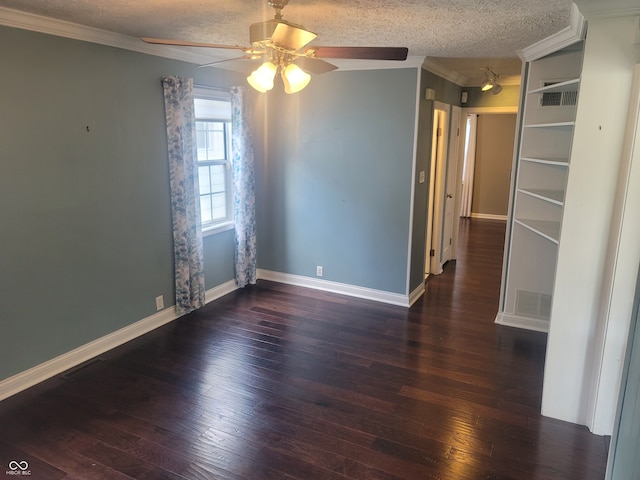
281,382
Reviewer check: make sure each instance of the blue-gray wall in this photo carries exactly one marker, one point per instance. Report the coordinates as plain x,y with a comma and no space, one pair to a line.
446,91
336,178
85,223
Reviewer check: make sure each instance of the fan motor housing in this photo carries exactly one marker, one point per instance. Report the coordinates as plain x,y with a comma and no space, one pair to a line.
278,4
261,32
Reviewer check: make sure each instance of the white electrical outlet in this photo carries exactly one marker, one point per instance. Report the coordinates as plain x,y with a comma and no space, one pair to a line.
159,302
319,270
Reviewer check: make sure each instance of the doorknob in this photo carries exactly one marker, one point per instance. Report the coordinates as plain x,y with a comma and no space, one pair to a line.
449,195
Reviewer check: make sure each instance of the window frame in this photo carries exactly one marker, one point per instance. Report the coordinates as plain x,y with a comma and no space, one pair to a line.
221,96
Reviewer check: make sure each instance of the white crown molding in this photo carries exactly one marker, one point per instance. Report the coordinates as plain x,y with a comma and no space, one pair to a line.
569,35
350,65
61,28
610,8
335,287
461,80
445,73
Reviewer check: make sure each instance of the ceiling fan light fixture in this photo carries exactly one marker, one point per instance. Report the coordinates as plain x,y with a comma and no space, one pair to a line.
294,78
262,78
282,44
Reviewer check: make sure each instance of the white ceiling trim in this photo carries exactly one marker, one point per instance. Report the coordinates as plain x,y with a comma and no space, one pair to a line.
462,80
445,73
575,32
61,28
410,62
610,8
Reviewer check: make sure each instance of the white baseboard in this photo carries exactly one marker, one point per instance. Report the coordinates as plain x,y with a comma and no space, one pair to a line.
220,291
23,380
335,287
416,294
527,323
50,368
489,216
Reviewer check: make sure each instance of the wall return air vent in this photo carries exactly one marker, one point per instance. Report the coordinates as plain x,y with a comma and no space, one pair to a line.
533,304
558,99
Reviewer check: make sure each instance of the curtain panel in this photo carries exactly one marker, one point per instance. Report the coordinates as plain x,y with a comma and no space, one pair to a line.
185,194
469,166
244,201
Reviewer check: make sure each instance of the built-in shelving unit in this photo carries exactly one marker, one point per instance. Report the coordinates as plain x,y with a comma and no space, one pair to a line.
541,166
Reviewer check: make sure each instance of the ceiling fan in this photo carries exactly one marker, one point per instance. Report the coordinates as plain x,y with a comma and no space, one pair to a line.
282,46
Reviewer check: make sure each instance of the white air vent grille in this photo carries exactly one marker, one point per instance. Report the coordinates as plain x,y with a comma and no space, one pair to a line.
558,99
533,304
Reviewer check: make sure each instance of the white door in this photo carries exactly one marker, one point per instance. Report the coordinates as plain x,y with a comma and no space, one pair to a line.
437,188
450,192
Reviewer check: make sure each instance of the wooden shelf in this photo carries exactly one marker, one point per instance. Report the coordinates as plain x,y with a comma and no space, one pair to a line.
553,196
560,162
546,229
550,125
567,86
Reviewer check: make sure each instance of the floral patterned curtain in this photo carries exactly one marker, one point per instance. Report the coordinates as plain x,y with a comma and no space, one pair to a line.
244,201
185,194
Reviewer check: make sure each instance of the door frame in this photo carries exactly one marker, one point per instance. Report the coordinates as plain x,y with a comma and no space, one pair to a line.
437,176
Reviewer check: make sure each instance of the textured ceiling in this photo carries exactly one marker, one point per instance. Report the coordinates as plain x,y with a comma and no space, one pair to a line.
489,31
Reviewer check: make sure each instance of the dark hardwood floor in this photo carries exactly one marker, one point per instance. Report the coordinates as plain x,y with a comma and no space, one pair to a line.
280,382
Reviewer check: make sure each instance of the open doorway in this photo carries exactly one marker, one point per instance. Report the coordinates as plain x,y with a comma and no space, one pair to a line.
485,178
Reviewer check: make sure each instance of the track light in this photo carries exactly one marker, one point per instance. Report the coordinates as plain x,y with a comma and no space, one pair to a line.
491,83
486,86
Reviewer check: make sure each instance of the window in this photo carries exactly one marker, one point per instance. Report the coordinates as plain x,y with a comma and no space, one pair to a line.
213,137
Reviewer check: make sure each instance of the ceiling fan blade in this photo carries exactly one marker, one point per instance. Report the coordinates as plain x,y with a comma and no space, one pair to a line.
361,53
290,36
179,43
314,65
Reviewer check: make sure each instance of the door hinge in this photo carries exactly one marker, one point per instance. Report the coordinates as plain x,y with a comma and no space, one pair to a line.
432,253
439,132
